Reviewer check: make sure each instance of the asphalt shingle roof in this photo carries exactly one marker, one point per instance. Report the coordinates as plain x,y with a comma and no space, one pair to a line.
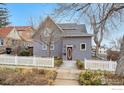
73,30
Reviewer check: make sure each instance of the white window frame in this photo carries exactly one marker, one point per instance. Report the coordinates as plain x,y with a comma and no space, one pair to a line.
44,46
52,46
81,47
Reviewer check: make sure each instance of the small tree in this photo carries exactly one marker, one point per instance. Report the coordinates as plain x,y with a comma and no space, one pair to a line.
112,55
48,34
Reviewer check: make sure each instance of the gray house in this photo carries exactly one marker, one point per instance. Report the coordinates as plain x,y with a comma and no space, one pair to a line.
70,40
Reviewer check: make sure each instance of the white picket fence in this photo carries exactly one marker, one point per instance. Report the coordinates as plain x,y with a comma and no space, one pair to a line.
100,65
27,61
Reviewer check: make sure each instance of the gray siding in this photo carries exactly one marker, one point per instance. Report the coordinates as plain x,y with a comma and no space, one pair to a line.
37,49
73,34
76,52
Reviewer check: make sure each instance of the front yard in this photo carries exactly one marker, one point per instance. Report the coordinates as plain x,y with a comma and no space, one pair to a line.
23,76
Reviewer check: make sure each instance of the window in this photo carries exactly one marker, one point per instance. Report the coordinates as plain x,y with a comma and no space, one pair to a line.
13,42
1,41
82,46
47,32
44,46
52,47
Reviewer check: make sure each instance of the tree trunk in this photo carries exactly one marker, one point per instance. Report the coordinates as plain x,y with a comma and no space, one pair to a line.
120,67
49,51
97,50
120,64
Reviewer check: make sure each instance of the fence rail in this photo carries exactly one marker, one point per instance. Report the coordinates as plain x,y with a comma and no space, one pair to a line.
27,61
100,65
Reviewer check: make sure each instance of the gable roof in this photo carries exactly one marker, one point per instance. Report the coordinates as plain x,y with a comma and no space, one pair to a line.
22,31
43,24
14,34
5,31
69,29
74,30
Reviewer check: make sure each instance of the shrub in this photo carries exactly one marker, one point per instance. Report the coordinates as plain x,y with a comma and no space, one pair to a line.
80,64
6,70
112,55
90,78
24,53
50,81
50,74
38,71
58,61
13,79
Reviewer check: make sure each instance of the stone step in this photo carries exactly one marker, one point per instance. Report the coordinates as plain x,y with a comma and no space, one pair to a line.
65,82
70,71
67,76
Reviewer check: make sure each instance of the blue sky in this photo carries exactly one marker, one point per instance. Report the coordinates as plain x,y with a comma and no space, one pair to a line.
22,12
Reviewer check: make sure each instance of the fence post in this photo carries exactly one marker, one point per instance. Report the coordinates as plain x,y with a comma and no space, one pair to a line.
34,61
110,65
16,61
84,63
52,61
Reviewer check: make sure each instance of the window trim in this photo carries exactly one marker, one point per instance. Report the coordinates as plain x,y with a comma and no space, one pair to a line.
52,47
43,46
81,45
46,47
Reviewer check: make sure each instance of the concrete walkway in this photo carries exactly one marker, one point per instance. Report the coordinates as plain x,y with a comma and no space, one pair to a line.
67,77
67,74
69,65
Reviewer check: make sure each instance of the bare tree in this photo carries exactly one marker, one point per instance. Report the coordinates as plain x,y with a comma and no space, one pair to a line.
116,43
120,64
47,34
101,17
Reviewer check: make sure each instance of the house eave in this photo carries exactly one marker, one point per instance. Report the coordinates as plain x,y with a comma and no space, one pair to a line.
76,36
88,35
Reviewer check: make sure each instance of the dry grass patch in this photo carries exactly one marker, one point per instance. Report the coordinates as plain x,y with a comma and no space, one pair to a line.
22,76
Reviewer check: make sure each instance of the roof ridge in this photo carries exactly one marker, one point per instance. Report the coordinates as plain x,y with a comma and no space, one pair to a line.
70,23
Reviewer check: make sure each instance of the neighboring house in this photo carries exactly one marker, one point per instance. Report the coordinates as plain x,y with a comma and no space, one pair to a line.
102,50
74,42
21,33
